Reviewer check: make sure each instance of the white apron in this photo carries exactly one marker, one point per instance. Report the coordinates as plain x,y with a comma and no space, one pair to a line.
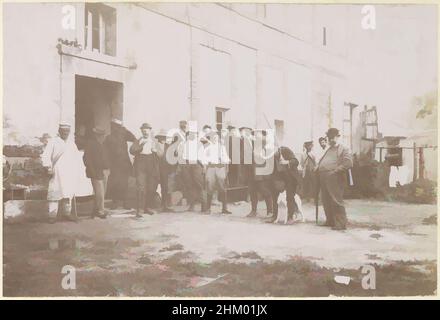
69,178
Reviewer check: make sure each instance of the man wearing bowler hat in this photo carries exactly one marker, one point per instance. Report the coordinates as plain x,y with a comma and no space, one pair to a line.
332,169
146,169
97,169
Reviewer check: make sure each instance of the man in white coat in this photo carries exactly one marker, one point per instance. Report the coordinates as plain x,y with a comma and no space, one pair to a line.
62,160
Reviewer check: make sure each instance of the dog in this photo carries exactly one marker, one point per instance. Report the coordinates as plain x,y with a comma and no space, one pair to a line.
282,209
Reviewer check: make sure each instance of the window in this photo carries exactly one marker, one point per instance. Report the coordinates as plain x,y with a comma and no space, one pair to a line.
100,28
324,36
220,114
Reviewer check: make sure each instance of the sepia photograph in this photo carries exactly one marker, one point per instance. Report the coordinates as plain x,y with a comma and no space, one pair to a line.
219,150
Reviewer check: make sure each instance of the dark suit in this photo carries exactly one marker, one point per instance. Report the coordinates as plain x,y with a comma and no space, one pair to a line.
164,170
97,169
146,169
120,164
233,146
96,159
332,170
246,161
261,183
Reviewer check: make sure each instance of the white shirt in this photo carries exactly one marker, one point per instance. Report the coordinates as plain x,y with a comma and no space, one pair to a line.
216,153
320,153
149,146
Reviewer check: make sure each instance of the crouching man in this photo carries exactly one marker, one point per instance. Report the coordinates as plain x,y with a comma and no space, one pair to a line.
61,161
285,177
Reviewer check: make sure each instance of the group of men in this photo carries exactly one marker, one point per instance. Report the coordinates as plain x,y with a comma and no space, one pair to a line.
200,163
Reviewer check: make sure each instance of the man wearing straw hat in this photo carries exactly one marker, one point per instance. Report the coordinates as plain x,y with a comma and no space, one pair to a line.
192,169
217,160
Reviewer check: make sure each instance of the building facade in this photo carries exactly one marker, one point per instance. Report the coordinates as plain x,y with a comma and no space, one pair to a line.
259,65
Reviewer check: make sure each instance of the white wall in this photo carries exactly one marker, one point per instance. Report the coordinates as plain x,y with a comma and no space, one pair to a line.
30,70
190,58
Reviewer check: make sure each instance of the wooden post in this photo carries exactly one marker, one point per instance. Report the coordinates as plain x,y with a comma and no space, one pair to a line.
380,154
421,164
415,162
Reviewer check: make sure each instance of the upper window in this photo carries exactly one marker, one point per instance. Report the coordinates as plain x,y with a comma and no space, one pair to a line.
220,115
100,28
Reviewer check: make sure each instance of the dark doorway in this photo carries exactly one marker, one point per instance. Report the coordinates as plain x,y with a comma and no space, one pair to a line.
97,101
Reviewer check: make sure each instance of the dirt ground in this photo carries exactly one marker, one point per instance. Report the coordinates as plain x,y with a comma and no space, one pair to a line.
188,254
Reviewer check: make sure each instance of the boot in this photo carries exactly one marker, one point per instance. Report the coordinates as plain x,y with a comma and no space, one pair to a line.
271,218
71,218
252,214
52,220
150,211
225,208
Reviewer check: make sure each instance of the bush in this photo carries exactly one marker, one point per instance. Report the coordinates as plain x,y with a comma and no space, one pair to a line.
421,191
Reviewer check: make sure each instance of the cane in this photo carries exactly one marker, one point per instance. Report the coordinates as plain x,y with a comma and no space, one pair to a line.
317,198
74,207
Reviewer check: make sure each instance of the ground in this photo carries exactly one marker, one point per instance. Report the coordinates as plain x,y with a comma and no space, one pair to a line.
188,254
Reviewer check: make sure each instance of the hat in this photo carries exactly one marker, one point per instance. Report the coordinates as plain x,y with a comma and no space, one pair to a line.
308,143
192,126
145,126
332,132
99,131
117,121
64,125
161,134
242,128
263,131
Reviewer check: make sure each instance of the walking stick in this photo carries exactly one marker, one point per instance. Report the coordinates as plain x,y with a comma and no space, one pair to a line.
317,198
74,206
